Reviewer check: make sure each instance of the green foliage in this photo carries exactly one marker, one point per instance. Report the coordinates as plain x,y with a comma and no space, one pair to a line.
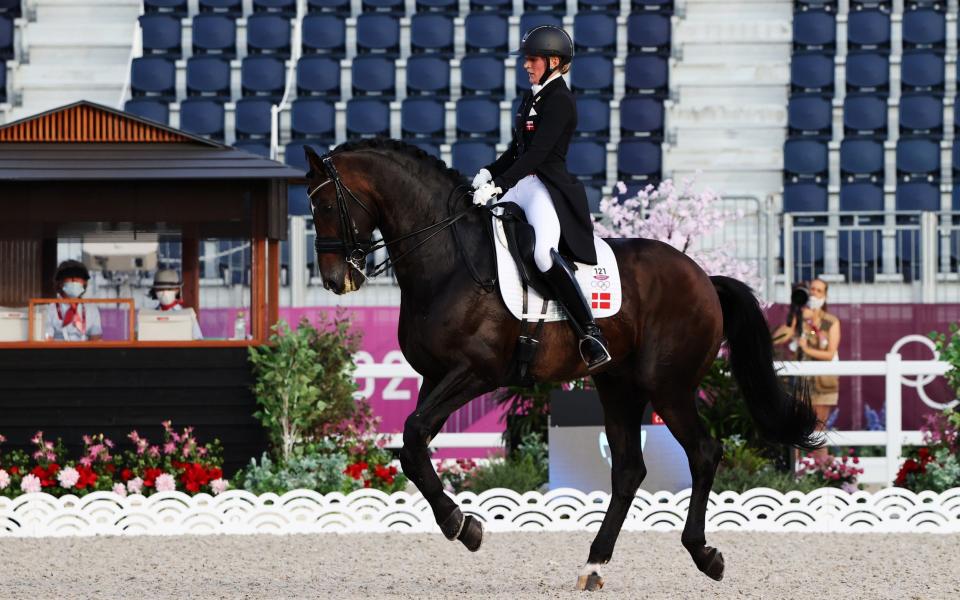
949,350
527,412
322,473
724,411
303,381
936,465
524,471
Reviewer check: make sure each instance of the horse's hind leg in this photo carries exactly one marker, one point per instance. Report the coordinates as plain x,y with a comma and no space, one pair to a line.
435,404
623,407
678,410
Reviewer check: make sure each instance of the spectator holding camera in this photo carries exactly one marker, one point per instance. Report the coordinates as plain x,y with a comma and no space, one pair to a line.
812,333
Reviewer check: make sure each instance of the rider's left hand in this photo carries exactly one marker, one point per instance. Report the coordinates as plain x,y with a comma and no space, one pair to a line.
485,193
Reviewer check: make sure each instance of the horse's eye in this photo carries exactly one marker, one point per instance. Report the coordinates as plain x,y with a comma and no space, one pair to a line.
328,207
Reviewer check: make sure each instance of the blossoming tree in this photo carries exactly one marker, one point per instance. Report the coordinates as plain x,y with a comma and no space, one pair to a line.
680,217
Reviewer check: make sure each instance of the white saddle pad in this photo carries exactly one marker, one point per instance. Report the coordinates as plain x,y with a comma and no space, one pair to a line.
600,283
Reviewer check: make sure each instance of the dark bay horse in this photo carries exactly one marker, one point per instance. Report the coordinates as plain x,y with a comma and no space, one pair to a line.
458,334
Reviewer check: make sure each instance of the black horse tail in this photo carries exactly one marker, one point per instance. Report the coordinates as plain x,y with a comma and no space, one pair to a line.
782,416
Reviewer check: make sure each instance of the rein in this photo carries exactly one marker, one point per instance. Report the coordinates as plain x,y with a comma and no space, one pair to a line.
356,251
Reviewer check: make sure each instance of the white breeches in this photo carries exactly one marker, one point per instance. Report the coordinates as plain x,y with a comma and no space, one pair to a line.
532,196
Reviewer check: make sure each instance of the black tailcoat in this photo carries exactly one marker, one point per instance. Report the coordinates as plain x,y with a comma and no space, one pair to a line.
539,146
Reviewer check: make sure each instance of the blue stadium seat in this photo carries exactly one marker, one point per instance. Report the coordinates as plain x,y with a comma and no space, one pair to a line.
924,28
811,74
918,160
869,30
268,33
814,31
367,117
595,33
470,156
861,251
810,117
253,118
608,6
868,73
805,198
482,76
593,119
502,7
648,33
174,8
529,20
202,116
214,34
523,83
428,76
921,116
956,162
293,155
861,160
872,5
641,117
431,149
378,34
593,75
284,8
486,33
587,161
258,147
556,7
807,244
827,5
478,117
298,204
337,7
318,76
861,197
146,108
263,76
661,6
647,75
388,7
229,8
443,7
805,161
865,116
422,119
6,37
11,9
922,71
208,76
373,75
324,34
638,161
431,33
161,35
594,196
155,77
918,196
313,119
3,81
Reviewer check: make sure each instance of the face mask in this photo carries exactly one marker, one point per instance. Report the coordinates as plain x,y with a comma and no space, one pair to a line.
73,289
167,297
816,303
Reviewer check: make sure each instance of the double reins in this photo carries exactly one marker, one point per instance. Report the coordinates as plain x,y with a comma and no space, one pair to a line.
354,250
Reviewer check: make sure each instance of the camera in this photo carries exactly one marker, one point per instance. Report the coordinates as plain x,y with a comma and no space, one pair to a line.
798,299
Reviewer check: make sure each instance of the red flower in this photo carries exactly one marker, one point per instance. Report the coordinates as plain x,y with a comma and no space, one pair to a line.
356,470
194,476
111,469
87,477
48,476
150,476
14,470
126,475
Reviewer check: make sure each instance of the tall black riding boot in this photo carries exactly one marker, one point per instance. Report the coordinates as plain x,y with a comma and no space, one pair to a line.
563,283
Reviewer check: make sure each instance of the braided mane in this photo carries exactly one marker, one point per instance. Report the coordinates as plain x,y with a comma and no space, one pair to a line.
381,143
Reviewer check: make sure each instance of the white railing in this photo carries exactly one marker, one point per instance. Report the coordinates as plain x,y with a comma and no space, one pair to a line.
896,371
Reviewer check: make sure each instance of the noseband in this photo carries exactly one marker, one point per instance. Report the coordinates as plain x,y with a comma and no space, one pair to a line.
354,250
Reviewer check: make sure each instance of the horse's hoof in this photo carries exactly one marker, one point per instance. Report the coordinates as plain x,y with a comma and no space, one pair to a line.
711,563
472,533
590,583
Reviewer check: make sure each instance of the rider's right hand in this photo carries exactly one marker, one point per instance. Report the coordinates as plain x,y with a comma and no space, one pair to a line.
482,177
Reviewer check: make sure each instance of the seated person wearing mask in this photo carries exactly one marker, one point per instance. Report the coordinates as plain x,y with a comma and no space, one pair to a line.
166,291
72,322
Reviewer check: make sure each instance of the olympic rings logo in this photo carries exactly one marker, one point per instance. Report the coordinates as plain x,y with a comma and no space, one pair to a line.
600,285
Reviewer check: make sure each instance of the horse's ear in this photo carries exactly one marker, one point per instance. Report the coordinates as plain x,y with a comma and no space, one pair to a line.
313,159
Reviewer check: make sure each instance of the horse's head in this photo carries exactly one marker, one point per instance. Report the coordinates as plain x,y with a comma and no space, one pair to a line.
344,217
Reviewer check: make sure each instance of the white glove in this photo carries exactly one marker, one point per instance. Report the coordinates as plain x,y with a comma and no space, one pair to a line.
485,193
483,176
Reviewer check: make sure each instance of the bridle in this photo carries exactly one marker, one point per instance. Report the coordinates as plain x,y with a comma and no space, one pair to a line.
354,250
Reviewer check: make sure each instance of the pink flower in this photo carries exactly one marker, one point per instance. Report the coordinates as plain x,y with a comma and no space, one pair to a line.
86,461
4,479
218,486
30,483
36,437
154,452
166,483
2,439
135,485
169,448
119,490
68,477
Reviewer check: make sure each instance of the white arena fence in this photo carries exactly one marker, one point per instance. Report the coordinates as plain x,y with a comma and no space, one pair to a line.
826,510
877,470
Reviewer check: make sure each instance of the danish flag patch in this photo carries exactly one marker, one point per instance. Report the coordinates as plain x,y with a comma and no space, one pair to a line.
530,126
600,300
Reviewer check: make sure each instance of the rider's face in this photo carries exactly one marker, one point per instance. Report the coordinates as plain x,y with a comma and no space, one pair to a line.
535,67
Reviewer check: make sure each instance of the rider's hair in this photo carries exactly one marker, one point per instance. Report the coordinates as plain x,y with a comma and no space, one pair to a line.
380,143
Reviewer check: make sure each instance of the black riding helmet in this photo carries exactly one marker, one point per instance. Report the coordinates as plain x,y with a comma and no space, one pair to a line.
71,268
547,41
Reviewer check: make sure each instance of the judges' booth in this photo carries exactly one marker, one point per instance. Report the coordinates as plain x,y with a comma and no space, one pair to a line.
125,198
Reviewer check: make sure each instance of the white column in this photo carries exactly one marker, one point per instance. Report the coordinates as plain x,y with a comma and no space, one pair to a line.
894,420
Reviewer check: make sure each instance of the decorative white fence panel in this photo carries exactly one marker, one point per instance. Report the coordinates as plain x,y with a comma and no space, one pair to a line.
370,511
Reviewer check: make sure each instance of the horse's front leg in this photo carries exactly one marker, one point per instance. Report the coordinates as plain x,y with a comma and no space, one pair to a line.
436,402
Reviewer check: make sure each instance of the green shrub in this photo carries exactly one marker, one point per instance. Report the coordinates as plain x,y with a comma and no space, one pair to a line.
526,470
